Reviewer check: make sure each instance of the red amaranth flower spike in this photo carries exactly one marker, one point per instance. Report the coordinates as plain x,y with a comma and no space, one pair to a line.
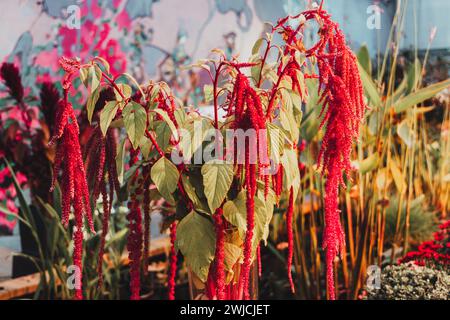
172,262
147,218
341,95
74,186
107,203
134,244
289,222
11,76
219,259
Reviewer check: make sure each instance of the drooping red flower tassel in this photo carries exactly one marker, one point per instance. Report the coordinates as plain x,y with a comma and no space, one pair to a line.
220,254
258,257
107,203
147,218
74,186
341,94
172,262
11,76
290,234
134,244
250,205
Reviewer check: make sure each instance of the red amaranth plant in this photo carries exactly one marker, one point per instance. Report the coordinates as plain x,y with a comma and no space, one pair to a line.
341,95
218,211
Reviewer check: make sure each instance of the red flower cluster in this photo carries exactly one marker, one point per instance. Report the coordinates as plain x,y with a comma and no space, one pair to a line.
101,165
246,107
341,95
74,187
146,211
434,252
289,221
173,261
11,76
134,243
220,254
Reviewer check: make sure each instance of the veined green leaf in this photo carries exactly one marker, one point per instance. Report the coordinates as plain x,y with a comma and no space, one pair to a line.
235,213
169,122
107,115
120,160
217,178
90,105
196,240
135,120
104,63
208,93
257,46
124,89
165,175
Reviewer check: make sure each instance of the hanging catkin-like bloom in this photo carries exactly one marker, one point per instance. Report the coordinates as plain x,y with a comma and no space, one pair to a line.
172,262
220,254
146,211
134,244
245,105
341,95
74,187
290,234
100,154
11,76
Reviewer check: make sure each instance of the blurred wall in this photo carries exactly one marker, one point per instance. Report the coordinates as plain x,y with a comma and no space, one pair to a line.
194,27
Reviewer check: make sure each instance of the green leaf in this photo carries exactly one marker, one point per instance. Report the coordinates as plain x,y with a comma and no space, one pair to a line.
124,89
208,92
163,134
91,102
145,146
120,160
257,46
169,122
364,59
232,255
165,176
276,142
135,121
368,164
369,87
217,178
235,212
420,96
291,172
91,77
107,115
199,205
196,240
84,75
414,75
104,62
95,77
398,176
405,133
287,119
129,76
